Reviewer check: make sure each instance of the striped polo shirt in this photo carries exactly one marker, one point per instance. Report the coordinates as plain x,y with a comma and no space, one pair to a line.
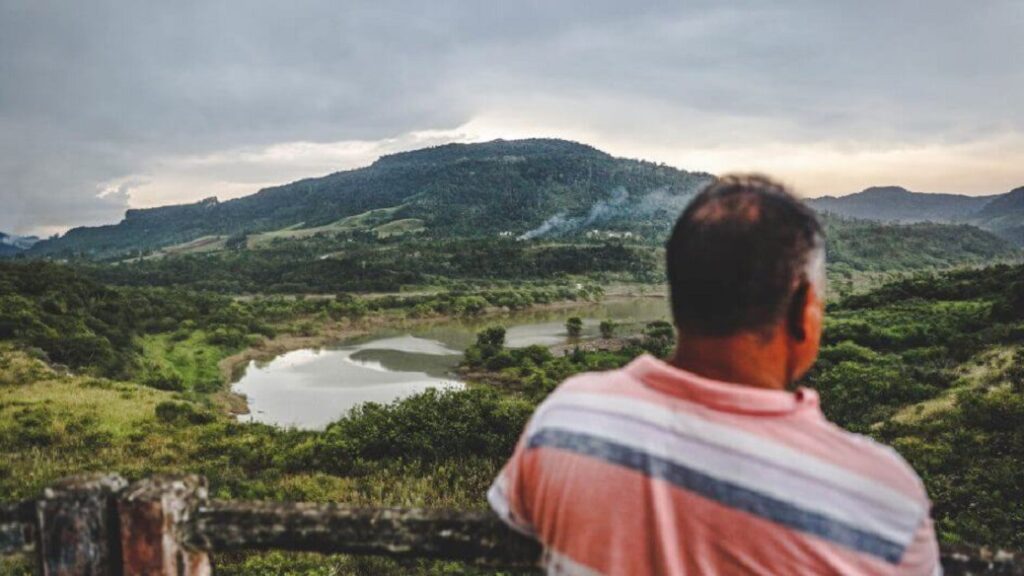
654,470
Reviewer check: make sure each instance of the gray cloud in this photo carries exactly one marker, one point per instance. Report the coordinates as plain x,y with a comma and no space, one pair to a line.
93,95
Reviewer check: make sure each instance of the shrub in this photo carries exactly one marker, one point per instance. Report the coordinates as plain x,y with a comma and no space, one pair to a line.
165,379
574,327
489,342
430,426
607,328
180,412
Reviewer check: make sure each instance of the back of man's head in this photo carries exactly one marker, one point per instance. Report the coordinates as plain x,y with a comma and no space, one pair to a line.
738,254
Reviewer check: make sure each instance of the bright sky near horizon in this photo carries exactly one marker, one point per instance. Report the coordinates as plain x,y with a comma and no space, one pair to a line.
114,104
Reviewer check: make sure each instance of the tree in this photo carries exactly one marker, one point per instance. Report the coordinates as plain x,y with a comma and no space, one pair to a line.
490,341
607,328
1011,305
574,326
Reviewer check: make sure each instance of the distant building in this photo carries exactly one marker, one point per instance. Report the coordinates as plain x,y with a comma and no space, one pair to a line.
608,234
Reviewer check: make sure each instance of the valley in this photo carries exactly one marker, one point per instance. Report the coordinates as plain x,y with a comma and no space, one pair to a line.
379,337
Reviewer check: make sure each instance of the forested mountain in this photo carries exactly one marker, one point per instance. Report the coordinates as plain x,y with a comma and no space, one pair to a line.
1002,214
326,264
896,204
515,187
11,245
526,189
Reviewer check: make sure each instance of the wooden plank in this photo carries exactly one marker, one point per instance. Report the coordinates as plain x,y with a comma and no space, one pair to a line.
477,537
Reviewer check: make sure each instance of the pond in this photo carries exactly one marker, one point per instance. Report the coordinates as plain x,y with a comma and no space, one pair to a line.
309,388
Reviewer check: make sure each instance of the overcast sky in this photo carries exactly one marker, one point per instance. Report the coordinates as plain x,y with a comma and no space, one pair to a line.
108,105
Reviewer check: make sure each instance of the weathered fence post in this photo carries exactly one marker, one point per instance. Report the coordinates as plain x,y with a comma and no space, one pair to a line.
17,527
77,527
153,512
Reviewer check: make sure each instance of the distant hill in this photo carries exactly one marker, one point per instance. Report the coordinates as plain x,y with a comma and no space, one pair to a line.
893,203
11,245
865,245
1002,214
532,187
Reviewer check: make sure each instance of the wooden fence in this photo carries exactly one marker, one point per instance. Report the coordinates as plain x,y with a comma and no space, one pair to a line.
99,524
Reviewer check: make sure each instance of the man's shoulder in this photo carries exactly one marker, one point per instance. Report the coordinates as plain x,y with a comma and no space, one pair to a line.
597,381
611,385
596,387
869,455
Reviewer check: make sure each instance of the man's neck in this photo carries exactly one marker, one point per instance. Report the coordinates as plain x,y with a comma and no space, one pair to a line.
747,359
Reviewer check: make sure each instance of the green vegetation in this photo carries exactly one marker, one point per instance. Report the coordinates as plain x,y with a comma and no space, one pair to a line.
932,365
607,328
142,393
574,327
348,226
173,339
864,246
101,377
72,320
371,261
329,265
181,360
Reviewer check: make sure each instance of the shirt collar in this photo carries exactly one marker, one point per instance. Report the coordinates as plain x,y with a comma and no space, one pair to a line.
725,396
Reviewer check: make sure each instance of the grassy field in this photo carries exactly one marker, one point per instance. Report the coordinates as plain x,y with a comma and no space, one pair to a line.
370,220
198,246
982,373
189,358
400,227
56,424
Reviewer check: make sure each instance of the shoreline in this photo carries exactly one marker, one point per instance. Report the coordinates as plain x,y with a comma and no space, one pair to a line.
232,367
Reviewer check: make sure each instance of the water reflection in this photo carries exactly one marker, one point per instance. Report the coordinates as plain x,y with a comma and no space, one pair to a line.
312,387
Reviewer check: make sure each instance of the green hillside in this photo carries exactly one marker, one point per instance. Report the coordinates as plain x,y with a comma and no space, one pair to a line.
503,210
1001,214
866,246
1004,215
453,190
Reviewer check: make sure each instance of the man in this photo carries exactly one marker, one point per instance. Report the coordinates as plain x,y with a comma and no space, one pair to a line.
706,463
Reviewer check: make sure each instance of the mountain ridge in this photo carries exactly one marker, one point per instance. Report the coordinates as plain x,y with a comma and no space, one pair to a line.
523,188
485,188
12,245
1001,214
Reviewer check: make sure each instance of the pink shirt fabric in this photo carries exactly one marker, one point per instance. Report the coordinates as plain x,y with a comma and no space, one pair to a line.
650,469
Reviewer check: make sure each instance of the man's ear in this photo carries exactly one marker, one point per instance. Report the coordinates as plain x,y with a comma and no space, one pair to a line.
797,309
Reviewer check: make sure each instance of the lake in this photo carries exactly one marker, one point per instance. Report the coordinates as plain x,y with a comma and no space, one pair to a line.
309,388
